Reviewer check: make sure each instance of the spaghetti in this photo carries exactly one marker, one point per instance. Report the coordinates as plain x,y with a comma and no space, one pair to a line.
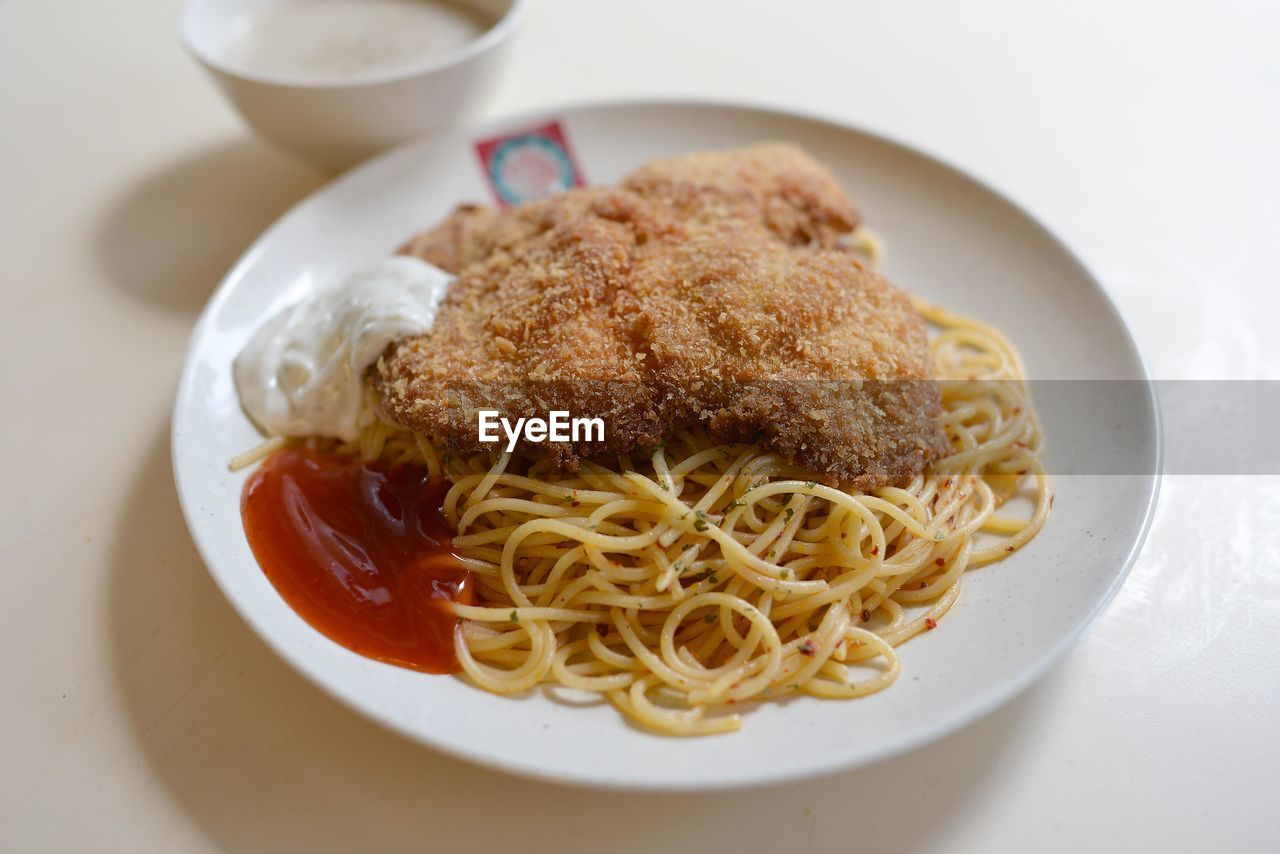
702,576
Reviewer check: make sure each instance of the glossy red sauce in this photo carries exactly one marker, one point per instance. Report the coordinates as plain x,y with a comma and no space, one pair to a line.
362,553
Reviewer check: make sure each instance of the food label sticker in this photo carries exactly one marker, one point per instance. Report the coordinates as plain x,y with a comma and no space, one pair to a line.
529,164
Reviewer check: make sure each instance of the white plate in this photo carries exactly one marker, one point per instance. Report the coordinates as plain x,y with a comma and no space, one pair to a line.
950,239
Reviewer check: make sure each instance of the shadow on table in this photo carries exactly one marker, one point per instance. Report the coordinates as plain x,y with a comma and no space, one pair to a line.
171,238
261,760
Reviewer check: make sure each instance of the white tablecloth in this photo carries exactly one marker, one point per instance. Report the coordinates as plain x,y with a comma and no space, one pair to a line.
138,713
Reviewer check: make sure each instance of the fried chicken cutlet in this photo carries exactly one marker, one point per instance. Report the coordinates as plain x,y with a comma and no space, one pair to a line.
710,289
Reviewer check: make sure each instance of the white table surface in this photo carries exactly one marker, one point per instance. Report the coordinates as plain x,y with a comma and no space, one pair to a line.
137,712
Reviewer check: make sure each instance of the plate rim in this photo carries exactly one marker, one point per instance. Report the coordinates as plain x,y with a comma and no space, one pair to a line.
515,765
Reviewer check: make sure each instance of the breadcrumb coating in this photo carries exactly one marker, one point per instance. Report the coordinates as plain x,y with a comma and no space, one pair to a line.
710,289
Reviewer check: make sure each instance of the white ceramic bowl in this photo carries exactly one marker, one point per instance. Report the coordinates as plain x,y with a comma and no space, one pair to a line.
338,119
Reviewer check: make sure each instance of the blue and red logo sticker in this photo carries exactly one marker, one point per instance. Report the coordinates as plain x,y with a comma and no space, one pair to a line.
529,164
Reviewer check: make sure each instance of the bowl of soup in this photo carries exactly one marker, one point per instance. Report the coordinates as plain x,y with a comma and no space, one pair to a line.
336,81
